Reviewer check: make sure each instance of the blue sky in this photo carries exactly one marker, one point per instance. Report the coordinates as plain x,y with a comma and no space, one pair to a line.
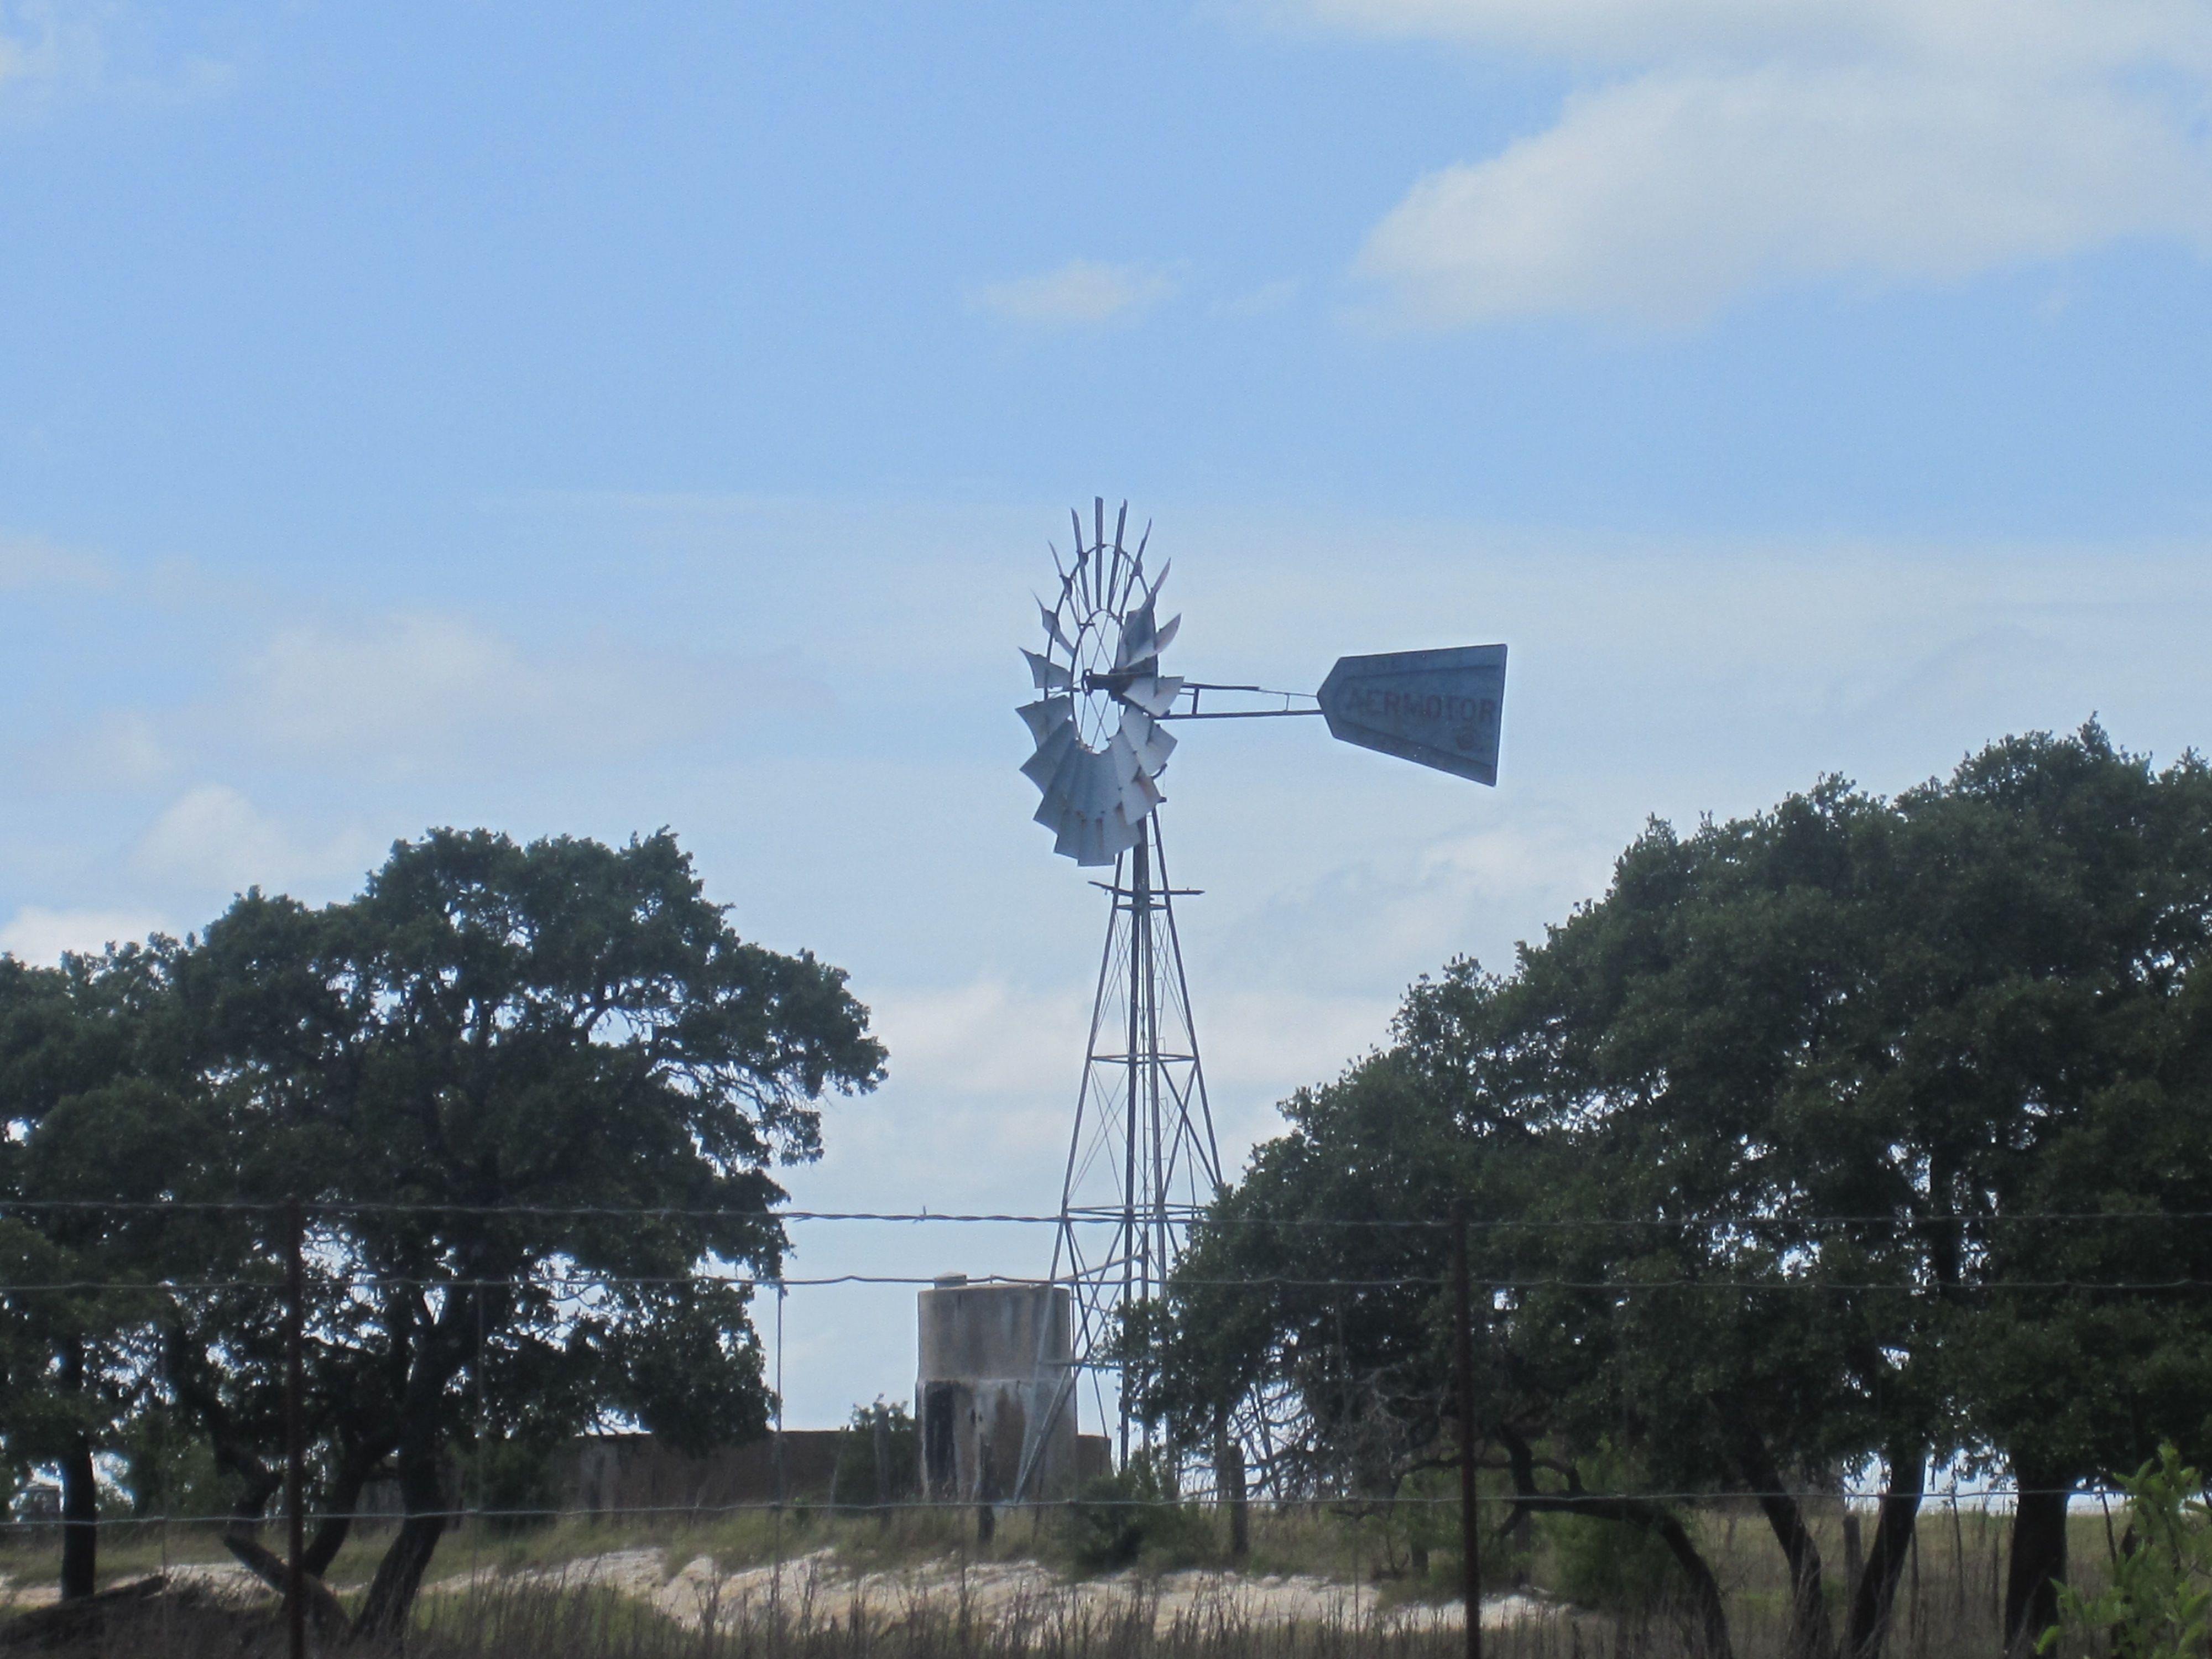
573,418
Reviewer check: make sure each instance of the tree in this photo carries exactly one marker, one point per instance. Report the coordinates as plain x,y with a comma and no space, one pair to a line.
102,1131
2075,1054
1637,1070
531,1095
1716,1020
1945,1016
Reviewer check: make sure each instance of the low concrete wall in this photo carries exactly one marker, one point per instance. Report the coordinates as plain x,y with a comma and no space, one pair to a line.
601,1473
604,1475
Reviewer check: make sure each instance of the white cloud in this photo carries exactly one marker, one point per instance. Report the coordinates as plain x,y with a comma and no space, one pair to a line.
30,45
984,1037
988,1039
116,749
1083,293
401,695
28,562
40,935
56,49
123,748
1261,301
1392,911
420,694
2031,33
395,683
1723,146
1261,1046
212,837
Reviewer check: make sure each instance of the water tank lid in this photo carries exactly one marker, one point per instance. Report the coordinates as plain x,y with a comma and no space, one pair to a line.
951,1281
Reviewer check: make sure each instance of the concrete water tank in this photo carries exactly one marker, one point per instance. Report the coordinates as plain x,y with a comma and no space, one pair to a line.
995,1391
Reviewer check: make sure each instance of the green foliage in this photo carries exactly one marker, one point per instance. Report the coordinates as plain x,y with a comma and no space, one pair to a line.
1981,1002
1608,1566
99,1109
491,1051
1425,1522
169,1468
1135,1519
2159,1604
1612,1567
472,1070
512,1481
879,1456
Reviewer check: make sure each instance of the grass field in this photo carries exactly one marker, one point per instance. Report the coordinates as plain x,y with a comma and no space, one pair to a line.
1318,1582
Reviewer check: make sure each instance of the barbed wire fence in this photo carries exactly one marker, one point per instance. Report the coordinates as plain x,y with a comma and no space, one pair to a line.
283,1276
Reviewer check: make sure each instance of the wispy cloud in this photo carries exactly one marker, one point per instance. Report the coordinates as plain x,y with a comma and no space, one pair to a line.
1261,301
33,562
212,837
415,692
987,1039
1081,294
34,934
1716,147
57,51
34,45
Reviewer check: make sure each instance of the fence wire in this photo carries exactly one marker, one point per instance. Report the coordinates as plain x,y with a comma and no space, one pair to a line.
473,1510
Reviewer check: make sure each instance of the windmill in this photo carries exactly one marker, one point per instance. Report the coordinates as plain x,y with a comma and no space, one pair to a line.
1142,1160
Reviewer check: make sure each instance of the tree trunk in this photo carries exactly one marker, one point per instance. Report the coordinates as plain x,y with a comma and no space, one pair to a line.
79,1493
353,1472
1229,1484
879,1438
1811,1634
79,1519
400,1574
1709,1613
265,1564
2038,1563
1705,1590
1873,1595
441,1353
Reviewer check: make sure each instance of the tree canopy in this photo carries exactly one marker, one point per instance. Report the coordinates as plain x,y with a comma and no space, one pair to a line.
1833,1138
531,1097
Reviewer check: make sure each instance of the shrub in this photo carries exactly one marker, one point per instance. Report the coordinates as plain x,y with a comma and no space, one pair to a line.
513,1480
1610,1565
2158,1605
1135,1519
881,1430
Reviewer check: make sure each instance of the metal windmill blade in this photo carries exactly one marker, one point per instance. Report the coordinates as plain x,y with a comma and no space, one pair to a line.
1099,746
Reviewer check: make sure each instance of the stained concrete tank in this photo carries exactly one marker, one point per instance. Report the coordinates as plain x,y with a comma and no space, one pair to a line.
996,1392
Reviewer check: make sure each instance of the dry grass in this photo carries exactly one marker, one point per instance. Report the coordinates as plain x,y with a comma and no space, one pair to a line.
530,1595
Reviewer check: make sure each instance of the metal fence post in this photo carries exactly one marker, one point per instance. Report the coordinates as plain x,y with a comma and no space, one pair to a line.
295,1442
1463,1378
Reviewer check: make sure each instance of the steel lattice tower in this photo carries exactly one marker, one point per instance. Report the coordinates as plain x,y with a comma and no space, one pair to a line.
1142,1162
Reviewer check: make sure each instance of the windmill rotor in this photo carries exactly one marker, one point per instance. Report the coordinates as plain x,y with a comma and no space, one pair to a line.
1099,746
1097,724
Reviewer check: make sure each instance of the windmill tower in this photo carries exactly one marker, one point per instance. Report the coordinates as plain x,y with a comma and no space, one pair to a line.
1142,1162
